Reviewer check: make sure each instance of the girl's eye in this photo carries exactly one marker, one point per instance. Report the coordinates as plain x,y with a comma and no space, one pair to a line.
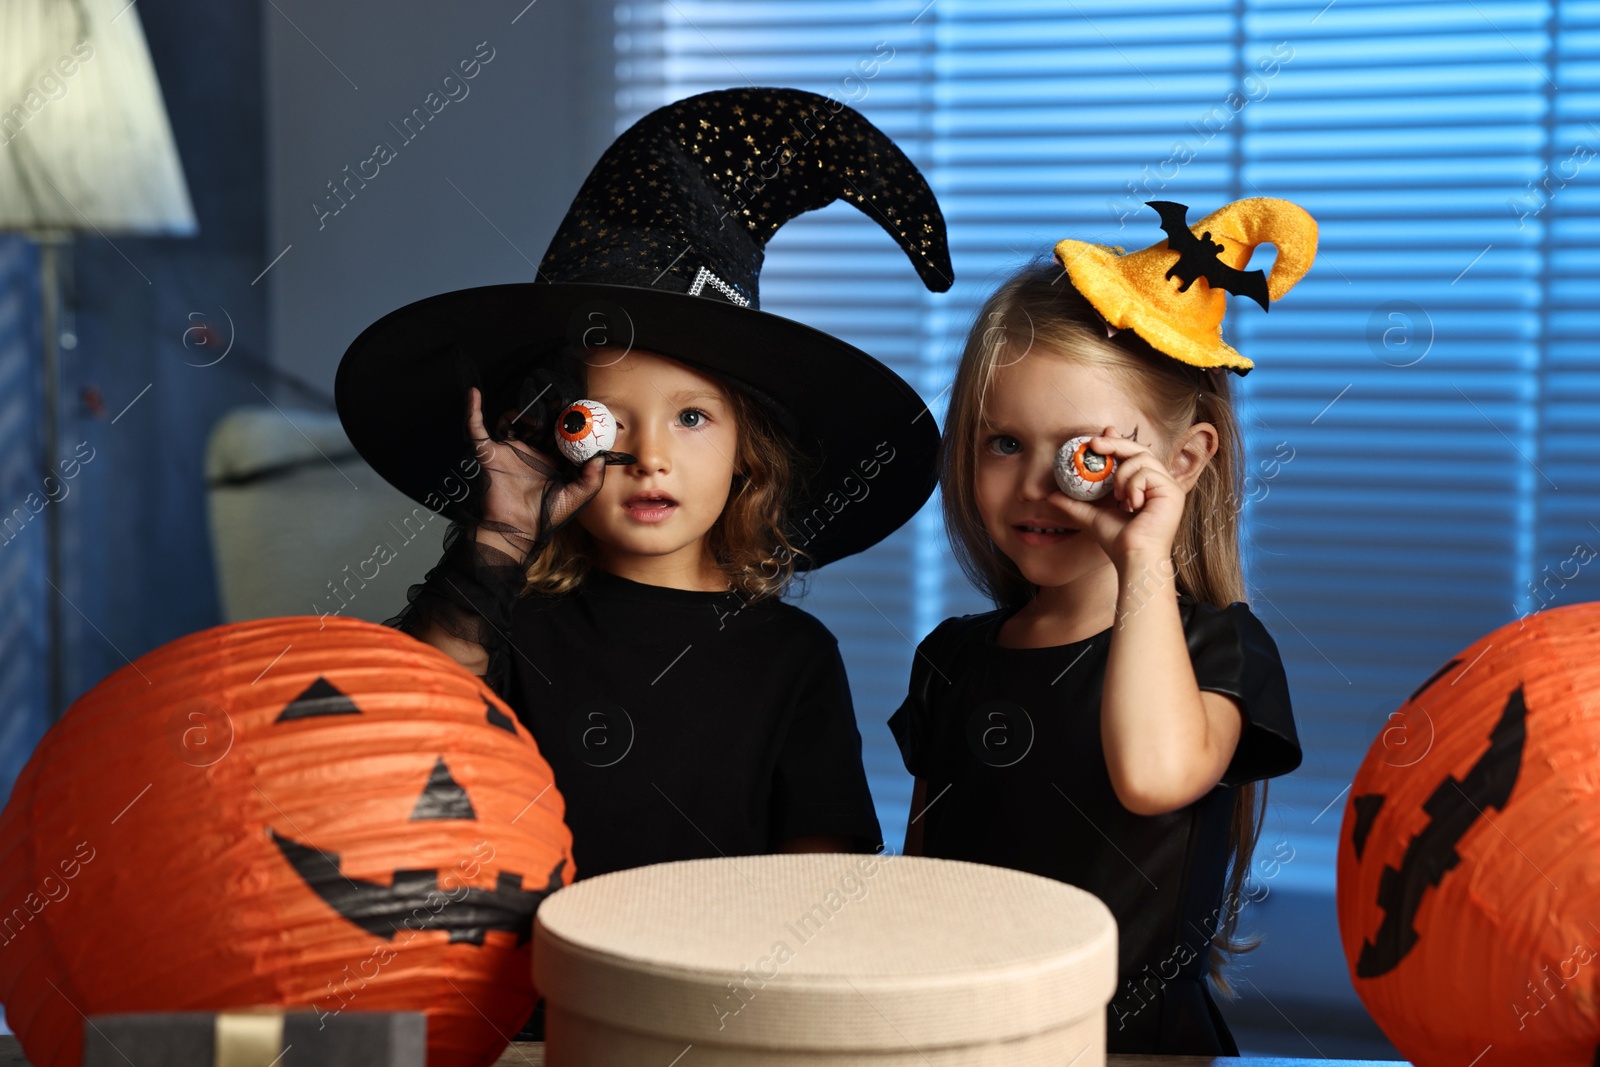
1004,445
691,418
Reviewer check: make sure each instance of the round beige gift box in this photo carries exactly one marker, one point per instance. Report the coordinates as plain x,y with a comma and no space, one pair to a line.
824,958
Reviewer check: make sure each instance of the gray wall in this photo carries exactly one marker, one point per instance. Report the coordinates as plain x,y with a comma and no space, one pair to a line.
471,199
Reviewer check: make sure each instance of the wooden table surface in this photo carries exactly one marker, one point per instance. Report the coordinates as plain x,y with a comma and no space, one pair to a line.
531,1054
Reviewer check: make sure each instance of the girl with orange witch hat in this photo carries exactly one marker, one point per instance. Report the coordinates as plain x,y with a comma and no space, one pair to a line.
1107,723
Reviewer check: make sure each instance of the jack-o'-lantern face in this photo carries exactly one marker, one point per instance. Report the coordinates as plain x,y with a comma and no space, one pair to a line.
406,904
301,812
1468,849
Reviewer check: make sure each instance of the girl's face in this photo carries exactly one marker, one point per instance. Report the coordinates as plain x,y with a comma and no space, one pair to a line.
678,424
1035,405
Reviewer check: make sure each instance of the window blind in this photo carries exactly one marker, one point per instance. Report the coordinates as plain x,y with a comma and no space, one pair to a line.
1409,131
1421,420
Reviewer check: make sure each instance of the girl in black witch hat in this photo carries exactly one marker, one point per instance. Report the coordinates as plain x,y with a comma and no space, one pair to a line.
629,610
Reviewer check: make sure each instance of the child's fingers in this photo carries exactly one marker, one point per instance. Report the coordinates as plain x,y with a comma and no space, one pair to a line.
590,474
575,494
474,410
1123,473
593,472
1119,447
1136,488
1081,513
1143,462
1148,481
475,431
1084,514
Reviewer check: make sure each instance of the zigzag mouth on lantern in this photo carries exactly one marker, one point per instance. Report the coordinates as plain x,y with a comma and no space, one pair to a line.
1453,808
409,902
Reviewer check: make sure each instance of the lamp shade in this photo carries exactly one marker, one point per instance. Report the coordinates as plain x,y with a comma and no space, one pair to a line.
84,138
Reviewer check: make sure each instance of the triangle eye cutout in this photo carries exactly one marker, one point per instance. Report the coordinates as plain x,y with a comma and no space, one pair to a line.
442,797
320,698
498,718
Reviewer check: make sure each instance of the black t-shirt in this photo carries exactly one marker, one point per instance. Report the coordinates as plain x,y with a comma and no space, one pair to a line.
1008,743
683,725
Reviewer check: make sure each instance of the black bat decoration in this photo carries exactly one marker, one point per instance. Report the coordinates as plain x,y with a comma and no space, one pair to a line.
1197,257
1453,808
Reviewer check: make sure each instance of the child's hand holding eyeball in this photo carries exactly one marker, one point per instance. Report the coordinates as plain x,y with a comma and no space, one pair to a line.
525,499
1093,471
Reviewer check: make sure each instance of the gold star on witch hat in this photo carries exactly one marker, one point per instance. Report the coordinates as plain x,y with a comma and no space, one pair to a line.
1172,294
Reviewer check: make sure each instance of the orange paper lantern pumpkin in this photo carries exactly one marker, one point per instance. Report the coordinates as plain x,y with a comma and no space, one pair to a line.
1469,857
301,812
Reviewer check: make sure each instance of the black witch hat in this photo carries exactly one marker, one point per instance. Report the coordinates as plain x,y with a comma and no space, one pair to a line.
661,252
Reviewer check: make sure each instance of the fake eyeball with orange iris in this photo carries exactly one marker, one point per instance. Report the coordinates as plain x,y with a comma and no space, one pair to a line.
1082,473
584,430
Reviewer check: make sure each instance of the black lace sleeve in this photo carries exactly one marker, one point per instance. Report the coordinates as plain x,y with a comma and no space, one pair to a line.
470,593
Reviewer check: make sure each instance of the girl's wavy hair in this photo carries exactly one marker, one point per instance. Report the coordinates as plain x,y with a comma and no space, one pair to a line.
748,541
1038,313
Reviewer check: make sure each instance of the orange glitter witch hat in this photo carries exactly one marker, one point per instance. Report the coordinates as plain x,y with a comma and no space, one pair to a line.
1172,294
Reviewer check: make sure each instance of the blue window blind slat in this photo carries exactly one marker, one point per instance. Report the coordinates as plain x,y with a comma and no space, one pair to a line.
1467,108
1374,18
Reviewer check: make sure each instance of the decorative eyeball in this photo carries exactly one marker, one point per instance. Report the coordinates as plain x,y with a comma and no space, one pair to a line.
1081,473
584,430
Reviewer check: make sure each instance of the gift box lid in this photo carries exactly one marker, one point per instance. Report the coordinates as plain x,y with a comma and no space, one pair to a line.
263,1035
826,951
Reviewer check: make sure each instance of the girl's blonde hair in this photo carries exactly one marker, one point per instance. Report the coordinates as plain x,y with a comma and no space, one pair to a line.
1037,311
747,542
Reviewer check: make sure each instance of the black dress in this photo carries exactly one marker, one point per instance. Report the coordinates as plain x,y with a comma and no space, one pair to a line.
1007,741
682,725
677,724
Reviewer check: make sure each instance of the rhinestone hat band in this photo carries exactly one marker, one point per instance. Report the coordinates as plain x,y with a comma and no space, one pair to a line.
704,277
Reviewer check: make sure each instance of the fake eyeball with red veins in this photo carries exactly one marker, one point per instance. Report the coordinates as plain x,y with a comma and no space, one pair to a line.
585,430
1081,473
